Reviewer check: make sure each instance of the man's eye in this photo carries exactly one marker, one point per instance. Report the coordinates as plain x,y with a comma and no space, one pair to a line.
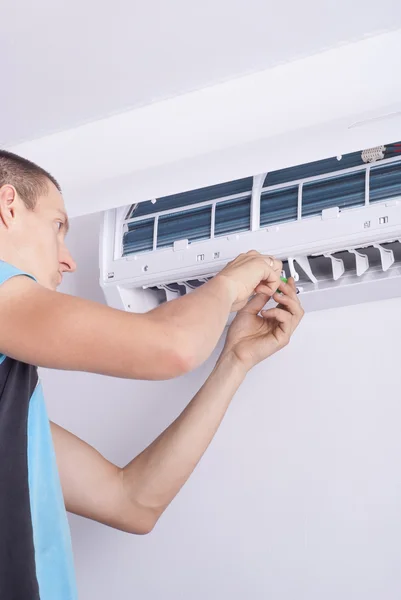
59,225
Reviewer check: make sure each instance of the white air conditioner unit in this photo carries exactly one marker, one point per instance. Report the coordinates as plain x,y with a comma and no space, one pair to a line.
335,223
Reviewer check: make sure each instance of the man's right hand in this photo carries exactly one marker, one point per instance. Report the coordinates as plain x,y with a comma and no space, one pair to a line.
249,274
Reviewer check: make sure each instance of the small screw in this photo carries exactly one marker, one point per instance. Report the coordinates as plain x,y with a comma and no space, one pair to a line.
146,268
216,255
366,224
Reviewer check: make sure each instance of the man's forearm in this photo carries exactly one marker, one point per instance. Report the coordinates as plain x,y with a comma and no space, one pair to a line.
196,321
154,477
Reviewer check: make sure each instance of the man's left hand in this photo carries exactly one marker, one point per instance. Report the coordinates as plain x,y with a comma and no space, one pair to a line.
256,334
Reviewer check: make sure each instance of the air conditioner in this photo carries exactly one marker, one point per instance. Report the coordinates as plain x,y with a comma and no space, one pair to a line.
335,224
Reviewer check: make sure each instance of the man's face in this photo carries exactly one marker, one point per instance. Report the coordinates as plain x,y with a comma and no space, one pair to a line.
36,238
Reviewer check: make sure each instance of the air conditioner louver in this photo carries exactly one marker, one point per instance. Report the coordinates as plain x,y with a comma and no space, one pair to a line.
316,271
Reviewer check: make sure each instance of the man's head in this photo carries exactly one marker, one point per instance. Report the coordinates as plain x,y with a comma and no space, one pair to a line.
33,221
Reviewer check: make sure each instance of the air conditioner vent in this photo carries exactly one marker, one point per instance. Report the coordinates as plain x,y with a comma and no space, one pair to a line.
335,224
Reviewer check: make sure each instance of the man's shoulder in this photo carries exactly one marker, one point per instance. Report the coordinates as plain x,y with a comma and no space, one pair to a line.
8,271
12,285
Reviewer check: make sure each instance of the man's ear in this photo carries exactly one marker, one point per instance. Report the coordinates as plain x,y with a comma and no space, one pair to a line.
8,196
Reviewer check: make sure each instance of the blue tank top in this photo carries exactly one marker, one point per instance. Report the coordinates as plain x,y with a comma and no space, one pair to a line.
35,546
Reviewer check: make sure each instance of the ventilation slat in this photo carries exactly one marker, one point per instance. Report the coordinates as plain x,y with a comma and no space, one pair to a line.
279,206
138,237
344,191
354,262
233,216
385,182
303,262
337,266
192,225
362,262
170,294
386,256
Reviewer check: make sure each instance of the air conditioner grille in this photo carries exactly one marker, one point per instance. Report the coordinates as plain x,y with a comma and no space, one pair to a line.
192,225
345,191
240,206
385,182
233,216
279,206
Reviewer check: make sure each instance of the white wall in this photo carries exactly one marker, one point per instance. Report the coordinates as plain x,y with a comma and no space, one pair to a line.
299,495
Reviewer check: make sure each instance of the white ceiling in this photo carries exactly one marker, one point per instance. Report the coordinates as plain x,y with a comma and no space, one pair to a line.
65,63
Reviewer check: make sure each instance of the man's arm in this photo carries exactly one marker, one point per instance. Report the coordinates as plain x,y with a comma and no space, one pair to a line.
134,497
49,329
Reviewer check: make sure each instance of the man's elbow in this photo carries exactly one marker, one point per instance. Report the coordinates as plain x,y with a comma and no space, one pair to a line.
182,360
176,353
176,356
143,525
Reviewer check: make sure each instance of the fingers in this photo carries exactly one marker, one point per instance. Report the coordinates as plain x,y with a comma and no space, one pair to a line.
288,313
284,329
251,273
289,288
286,288
265,288
289,301
271,271
271,261
274,263
282,316
292,284
256,303
292,306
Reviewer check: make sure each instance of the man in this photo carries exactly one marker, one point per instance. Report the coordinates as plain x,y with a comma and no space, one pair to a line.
43,328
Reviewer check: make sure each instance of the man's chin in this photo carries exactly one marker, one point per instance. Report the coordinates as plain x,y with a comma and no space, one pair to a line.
55,284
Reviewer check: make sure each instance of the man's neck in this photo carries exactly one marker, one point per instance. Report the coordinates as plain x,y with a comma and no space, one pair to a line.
8,255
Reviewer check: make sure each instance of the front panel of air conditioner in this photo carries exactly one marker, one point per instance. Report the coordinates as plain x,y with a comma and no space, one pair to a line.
338,233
